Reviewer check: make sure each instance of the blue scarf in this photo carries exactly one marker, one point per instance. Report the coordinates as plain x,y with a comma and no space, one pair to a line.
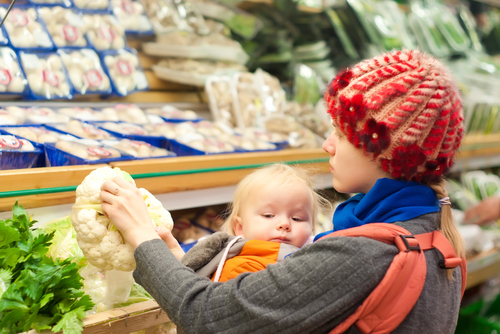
388,201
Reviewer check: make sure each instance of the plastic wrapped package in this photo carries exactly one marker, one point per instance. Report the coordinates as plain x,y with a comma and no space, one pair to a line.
124,70
174,115
191,18
182,44
85,71
35,133
247,143
276,138
9,118
298,135
37,115
139,149
450,28
132,16
133,132
89,114
249,99
25,30
65,26
306,115
104,32
83,130
162,15
97,6
47,77
222,95
272,94
197,144
193,72
12,79
17,153
73,151
128,113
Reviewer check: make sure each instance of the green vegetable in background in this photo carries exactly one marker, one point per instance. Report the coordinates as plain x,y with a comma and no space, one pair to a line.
40,293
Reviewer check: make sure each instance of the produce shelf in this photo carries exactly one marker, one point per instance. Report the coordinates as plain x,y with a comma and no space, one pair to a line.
39,187
482,267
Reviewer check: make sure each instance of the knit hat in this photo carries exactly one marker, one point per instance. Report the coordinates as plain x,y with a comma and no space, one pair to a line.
404,110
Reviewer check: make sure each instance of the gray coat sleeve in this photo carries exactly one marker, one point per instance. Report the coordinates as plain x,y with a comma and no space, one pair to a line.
312,291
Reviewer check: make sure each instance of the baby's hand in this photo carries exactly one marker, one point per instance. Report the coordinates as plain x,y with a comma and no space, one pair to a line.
171,242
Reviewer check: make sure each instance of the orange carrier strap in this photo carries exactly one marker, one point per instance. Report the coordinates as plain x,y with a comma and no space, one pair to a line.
391,301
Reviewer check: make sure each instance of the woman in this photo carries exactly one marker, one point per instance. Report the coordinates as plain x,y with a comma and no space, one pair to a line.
398,123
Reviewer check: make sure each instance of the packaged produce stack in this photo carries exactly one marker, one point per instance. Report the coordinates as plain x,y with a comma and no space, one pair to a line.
60,49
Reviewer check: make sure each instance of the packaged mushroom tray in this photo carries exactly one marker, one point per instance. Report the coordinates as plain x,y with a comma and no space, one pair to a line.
93,6
12,79
82,130
139,149
132,16
298,135
174,115
124,70
222,96
182,44
217,131
12,116
127,113
85,71
89,114
133,132
193,72
104,32
69,150
47,77
42,115
33,132
18,153
25,30
65,26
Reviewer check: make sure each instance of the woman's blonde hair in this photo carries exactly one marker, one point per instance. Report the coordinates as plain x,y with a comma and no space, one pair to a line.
447,225
274,174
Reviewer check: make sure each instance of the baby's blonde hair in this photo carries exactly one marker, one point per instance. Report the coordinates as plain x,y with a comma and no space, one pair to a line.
274,174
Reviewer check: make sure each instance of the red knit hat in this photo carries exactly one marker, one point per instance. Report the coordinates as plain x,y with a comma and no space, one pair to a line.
402,108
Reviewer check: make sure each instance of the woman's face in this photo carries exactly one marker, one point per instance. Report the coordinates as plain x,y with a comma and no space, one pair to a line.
353,171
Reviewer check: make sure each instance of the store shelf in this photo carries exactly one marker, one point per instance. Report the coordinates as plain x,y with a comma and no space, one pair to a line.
482,267
55,186
477,152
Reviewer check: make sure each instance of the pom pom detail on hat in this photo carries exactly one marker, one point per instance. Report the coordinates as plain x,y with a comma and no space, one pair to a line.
404,109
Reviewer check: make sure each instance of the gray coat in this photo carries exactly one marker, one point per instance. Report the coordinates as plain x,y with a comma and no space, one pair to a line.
312,291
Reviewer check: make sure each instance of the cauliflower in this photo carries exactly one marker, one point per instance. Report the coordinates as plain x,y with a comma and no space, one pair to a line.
100,242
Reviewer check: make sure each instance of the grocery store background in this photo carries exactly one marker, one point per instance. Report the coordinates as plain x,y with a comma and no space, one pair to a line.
189,96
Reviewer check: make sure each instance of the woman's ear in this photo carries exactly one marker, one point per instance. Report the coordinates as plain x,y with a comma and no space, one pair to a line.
237,226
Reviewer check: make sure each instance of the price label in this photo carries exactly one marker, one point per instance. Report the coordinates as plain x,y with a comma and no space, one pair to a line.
94,78
106,33
5,77
10,142
71,33
128,7
50,77
18,17
124,67
99,151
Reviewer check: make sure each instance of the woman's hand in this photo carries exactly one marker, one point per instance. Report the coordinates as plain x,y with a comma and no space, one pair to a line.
485,212
122,203
171,242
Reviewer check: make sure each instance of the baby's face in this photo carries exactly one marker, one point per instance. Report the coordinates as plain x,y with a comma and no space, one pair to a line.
280,213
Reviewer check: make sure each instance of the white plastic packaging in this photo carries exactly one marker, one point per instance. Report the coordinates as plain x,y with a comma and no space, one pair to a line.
12,116
47,78
132,16
138,149
97,5
125,128
204,144
249,100
221,93
34,133
172,113
86,149
127,113
12,80
84,130
85,71
65,26
88,114
273,96
125,71
25,30
37,115
104,32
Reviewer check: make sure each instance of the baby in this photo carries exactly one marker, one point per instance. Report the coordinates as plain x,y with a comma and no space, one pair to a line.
272,215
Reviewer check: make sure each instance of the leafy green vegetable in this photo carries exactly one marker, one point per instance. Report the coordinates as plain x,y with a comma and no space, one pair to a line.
37,291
